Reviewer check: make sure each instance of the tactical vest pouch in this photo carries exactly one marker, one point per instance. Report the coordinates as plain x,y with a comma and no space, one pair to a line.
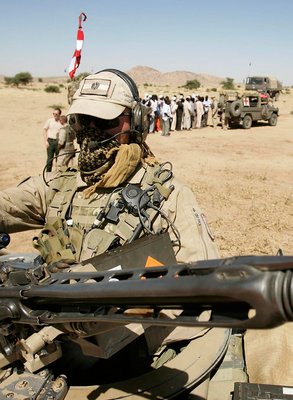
97,242
53,244
151,250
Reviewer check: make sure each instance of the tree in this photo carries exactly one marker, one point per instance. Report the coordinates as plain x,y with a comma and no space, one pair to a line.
228,84
22,78
194,84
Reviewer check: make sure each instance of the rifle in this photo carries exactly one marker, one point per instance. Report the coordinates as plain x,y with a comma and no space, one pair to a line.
240,292
38,305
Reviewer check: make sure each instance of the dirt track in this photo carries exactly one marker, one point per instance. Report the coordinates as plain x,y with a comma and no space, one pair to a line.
242,178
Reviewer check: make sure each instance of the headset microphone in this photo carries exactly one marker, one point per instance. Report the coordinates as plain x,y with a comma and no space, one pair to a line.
95,144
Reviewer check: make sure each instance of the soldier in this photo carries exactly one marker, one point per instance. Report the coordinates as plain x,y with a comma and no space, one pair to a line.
119,194
111,128
72,88
65,138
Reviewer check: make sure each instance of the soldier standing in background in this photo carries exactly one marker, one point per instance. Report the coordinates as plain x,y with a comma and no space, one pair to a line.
66,137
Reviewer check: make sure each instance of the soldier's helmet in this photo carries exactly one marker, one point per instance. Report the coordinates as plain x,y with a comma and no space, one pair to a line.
106,94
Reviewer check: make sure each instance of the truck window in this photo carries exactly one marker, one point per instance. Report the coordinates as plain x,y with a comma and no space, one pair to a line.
254,81
253,101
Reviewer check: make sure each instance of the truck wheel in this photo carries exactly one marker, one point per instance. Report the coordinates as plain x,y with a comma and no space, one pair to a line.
235,108
273,120
247,122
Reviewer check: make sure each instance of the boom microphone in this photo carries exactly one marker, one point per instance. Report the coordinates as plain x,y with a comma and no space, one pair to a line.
95,144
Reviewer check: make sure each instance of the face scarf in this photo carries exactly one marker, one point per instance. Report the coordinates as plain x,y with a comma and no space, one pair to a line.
108,165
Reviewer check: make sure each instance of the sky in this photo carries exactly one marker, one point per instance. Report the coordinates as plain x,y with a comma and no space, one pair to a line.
225,38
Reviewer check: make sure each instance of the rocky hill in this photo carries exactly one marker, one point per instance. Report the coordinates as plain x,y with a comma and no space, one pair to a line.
142,75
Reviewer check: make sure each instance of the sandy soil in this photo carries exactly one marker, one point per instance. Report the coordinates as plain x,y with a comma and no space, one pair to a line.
242,178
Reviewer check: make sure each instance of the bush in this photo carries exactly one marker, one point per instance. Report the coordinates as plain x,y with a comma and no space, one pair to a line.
79,77
214,89
194,84
40,80
22,78
228,84
8,80
52,89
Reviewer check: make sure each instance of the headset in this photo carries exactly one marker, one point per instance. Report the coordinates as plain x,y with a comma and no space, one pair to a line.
139,113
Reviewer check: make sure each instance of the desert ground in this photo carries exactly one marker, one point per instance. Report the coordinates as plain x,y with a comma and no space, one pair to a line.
241,178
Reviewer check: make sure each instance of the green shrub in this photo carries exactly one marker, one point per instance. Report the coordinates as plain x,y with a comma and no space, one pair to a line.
78,77
22,78
214,89
194,84
52,89
228,84
40,80
8,80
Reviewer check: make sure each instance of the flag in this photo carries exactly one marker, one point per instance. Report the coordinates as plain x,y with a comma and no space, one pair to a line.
75,61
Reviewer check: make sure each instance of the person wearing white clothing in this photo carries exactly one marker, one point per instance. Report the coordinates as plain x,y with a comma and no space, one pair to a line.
166,116
174,107
187,111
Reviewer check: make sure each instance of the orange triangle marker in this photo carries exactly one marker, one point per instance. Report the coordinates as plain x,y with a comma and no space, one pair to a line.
152,262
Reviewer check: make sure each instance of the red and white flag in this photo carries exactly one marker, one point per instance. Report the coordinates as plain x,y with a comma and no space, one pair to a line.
79,43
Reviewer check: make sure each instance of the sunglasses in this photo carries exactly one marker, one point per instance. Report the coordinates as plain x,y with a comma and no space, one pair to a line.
104,124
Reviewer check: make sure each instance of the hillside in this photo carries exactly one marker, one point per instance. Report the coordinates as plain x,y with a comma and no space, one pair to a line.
142,75
147,75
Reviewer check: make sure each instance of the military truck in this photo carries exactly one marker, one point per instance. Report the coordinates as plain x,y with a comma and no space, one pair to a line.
264,84
247,108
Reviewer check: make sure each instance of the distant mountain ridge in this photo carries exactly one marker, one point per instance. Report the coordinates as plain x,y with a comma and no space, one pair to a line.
147,75
143,74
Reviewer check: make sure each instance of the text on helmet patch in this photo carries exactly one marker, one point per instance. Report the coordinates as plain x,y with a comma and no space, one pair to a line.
98,87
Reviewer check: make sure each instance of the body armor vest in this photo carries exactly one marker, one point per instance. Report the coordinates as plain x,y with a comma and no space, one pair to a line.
79,228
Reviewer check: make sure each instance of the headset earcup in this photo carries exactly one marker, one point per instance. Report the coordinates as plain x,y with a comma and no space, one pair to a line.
140,121
139,114
136,118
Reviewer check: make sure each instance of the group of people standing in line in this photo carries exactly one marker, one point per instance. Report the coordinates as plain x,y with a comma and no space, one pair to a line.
59,139
185,113
165,115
